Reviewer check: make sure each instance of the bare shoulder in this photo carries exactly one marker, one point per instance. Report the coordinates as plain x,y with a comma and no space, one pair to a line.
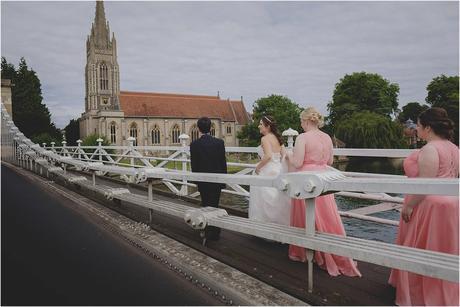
428,149
428,153
265,140
301,138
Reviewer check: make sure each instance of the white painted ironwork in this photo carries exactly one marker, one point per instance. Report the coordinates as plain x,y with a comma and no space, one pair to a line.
302,185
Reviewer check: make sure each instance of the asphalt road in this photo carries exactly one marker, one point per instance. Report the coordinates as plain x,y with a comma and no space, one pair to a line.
52,255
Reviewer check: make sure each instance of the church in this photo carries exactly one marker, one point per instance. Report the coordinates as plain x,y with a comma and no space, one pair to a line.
153,119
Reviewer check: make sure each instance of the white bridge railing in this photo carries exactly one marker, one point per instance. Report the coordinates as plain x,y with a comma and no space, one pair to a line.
134,164
178,157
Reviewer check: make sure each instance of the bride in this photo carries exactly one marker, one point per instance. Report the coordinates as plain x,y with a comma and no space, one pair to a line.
268,204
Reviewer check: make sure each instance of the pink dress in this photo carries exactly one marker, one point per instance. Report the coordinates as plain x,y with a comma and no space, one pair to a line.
318,150
433,226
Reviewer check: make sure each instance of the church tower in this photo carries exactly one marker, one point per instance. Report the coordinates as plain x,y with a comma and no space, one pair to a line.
102,77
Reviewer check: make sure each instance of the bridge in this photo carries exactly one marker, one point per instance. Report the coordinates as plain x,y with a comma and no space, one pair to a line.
144,196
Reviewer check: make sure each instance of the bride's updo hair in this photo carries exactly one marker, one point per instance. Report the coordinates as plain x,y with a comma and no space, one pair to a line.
270,122
437,119
312,115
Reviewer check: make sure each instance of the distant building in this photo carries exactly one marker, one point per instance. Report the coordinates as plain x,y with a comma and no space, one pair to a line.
151,118
410,133
6,95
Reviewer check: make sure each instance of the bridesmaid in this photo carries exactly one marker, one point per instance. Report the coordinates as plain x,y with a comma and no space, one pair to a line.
313,151
429,221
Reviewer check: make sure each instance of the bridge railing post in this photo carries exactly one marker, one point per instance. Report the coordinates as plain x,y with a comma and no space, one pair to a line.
310,231
131,149
64,149
79,148
99,148
290,133
183,139
150,197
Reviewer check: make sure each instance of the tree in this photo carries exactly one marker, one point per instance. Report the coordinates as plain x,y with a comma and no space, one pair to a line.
249,135
363,91
72,132
8,70
370,130
411,111
443,93
285,112
30,115
91,140
45,138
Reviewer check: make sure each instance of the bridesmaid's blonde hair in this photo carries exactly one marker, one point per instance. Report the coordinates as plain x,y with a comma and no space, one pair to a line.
313,115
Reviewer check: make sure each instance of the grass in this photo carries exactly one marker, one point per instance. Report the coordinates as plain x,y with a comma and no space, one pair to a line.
178,165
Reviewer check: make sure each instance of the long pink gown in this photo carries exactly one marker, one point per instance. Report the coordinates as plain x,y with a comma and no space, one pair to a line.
432,226
318,150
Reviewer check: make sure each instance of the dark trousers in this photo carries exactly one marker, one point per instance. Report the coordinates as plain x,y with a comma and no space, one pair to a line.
210,198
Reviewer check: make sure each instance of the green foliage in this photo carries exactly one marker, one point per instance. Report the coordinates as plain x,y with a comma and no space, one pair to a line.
72,132
30,115
91,140
285,112
249,135
443,93
363,91
328,127
370,130
8,70
46,138
411,111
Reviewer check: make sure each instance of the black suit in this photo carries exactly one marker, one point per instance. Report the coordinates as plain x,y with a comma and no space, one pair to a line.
207,155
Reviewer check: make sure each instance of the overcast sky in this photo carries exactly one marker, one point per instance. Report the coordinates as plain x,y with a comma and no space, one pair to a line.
249,49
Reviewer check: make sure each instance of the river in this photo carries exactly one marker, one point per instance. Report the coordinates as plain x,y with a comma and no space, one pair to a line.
354,227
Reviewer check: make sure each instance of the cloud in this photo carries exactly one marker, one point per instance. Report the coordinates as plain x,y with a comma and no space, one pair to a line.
249,49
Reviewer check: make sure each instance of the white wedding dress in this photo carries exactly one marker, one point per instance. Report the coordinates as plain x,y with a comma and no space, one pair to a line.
269,204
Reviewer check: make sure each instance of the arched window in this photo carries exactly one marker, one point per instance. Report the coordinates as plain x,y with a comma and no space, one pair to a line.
113,133
104,77
213,130
156,135
194,134
229,129
133,132
175,132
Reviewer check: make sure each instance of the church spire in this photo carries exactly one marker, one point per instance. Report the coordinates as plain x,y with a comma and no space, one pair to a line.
100,27
102,75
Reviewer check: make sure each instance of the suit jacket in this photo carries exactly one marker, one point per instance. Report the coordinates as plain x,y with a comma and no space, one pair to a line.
207,155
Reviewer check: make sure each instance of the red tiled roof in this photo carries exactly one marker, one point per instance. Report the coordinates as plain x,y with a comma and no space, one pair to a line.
182,106
240,112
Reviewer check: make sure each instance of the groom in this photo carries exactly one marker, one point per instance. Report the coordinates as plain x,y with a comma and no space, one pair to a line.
207,155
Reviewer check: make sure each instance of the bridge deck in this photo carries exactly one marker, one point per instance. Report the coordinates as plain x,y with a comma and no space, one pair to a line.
52,255
268,261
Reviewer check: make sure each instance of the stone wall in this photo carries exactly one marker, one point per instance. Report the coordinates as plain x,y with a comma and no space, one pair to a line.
6,96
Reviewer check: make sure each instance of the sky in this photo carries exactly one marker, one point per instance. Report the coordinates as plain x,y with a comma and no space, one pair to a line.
250,49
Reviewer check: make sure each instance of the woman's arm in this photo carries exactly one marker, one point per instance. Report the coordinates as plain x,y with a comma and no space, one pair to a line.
267,154
331,157
297,157
428,167
282,151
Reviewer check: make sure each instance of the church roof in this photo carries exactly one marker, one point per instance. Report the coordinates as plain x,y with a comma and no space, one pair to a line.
182,106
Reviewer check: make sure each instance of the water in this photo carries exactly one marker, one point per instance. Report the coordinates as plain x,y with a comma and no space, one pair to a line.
354,227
